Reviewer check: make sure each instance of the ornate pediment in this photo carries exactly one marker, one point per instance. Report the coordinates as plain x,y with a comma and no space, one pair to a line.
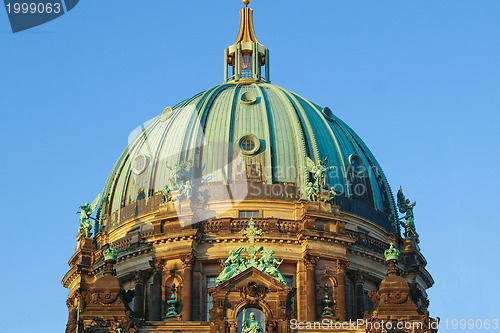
253,275
251,288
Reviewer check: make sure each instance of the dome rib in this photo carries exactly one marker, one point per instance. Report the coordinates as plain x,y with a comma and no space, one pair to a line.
272,134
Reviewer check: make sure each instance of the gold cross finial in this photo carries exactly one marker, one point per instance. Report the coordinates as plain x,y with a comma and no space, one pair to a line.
250,232
246,2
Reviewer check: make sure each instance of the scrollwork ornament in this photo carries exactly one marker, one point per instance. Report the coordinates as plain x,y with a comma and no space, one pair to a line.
157,264
188,260
310,261
341,264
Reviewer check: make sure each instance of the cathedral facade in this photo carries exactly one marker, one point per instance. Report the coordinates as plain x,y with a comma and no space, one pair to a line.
247,208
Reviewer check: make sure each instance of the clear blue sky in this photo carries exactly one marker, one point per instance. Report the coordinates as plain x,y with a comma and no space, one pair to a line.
417,80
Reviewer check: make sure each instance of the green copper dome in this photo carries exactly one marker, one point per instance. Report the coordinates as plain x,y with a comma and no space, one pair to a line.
242,133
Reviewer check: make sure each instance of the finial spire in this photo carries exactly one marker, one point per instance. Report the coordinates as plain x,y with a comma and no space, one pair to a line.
246,56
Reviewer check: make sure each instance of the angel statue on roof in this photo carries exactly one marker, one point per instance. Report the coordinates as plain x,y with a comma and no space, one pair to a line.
406,207
318,170
85,211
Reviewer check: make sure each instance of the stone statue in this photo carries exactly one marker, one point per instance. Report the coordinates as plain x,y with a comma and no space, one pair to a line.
269,265
235,264
250,325
85,212
405,207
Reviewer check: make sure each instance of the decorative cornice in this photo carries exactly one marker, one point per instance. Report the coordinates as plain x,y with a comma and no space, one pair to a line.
181,235
364,254
325,236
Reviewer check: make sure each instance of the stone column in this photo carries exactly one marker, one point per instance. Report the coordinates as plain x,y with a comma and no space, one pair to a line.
359,293
310,264
301,293
188,262
158,265
233,326
341,266
139,278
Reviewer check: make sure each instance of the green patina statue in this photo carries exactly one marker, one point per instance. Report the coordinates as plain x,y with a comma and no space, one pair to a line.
235,264
181,172
405,207
85,212
251,325
167,195
269,265
311,191
319,191
318,170
333,194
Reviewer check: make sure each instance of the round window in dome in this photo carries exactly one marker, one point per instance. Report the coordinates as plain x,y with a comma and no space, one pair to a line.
248,98
249,144
328,113
166,113
140,164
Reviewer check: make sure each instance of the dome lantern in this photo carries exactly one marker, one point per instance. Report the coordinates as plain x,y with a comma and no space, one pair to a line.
247,59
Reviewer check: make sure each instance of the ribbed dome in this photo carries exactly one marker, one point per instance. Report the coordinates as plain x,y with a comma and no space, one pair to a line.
259,132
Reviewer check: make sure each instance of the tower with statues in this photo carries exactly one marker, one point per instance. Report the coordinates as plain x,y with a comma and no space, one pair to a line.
247,209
